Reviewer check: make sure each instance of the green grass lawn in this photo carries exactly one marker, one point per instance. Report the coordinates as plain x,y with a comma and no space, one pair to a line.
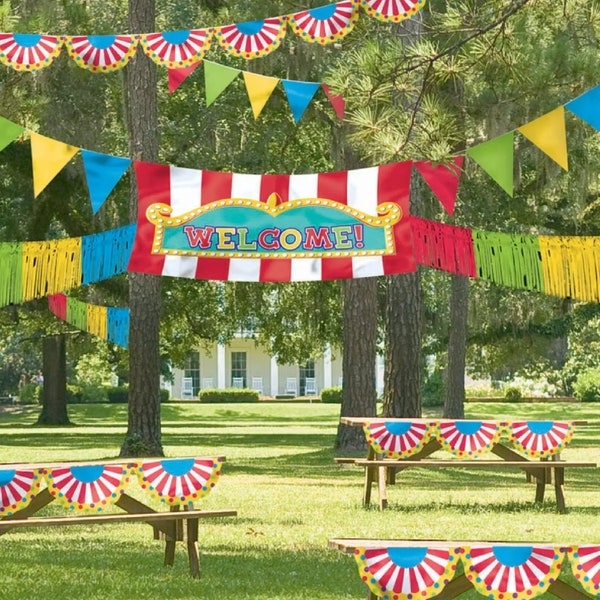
291,498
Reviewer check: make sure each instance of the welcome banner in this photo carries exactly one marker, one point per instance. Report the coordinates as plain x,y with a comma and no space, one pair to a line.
242,227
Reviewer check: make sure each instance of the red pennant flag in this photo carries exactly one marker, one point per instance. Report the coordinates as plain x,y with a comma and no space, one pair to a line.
443,180
337,101
178,76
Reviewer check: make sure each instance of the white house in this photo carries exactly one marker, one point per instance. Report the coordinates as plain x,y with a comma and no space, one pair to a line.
242,363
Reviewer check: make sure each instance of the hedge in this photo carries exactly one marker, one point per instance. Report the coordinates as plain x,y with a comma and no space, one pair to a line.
332,395
120,395
228,395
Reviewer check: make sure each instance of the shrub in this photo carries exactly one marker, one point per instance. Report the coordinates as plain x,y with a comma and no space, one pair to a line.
434,389
332,395
74,394
164,396
30,393
227,395
587,386
118,395
512,394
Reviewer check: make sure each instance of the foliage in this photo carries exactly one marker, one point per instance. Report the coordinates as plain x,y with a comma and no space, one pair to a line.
332,395
434,389
30,393
513,394
74,394
587,386
234,395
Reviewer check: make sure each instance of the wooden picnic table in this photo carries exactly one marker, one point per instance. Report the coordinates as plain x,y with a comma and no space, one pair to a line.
97,486
397,569
397,444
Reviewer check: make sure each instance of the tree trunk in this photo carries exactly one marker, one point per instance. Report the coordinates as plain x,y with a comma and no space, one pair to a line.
454,403
359,361
54,392
403,333
143,431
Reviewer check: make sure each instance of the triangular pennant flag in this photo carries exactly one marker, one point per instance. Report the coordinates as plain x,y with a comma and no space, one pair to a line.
337,101
102,172
9,132
443,180
178,76
586,107
48,157
299,95
549,134
216,79
497,158
259,90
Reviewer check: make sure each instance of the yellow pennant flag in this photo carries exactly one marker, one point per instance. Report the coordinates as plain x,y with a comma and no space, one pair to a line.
259,90
549,135
48,157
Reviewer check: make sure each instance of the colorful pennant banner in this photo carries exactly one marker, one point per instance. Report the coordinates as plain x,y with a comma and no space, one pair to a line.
37,269
107,323
240,227
181,49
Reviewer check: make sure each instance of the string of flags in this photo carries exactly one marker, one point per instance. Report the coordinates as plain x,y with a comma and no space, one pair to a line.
179,49
548,133
259,88
104,171
106,322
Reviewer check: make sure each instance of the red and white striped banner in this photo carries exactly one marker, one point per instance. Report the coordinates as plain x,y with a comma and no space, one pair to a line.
377,198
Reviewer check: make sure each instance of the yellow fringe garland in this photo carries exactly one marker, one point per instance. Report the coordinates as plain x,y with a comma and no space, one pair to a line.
51,267
96,320
571,267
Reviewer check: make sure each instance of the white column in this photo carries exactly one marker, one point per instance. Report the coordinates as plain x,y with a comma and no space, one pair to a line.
274,376
221,367
327,367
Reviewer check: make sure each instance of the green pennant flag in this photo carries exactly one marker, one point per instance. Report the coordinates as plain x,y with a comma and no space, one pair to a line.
496,158
216,79
9,132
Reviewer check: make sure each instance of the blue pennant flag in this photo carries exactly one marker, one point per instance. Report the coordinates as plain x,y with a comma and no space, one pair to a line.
586,107
299,95
103,172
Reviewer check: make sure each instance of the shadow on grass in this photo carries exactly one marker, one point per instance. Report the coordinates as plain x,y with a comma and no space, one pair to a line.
104,568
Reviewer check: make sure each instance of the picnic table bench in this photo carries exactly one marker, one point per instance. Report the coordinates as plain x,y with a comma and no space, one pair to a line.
396,569
97,486
399,444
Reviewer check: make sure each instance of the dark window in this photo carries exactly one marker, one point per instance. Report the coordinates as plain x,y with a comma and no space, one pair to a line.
307,370
238,368
192,369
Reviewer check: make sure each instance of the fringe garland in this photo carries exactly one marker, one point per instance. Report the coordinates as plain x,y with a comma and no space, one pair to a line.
118,326
77,313
11,274
105,255
571,267
57,303
510,260
50,267
445,247
108,323
96,320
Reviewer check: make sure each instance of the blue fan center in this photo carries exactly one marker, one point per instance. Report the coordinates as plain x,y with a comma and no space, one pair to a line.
323,12
512,556
6,477
176,37
102,42
407,558
250,27
397,428
540,427
27,40
178,467
468,427
87,474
